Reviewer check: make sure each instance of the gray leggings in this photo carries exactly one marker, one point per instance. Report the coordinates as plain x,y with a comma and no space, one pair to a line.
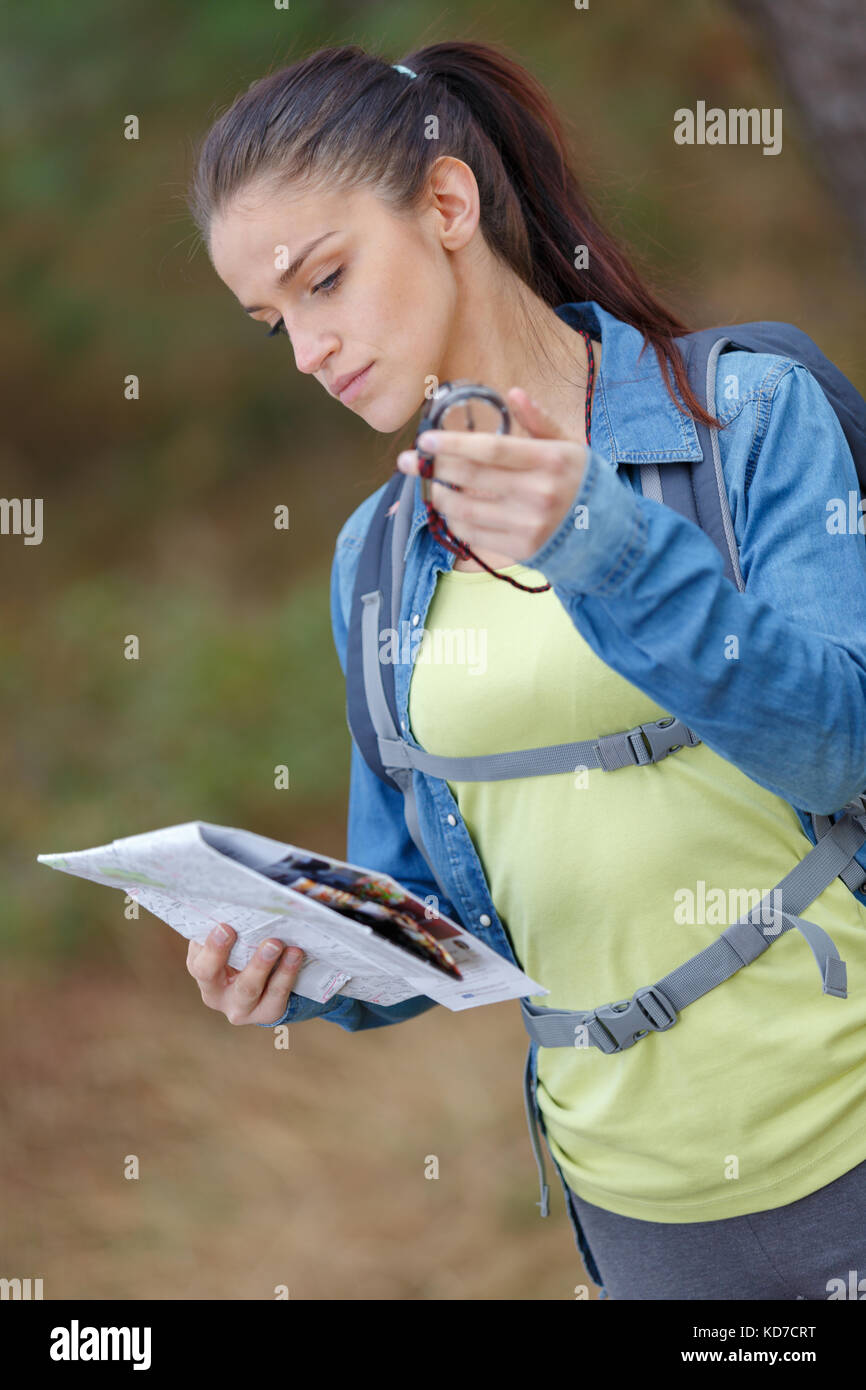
790,1252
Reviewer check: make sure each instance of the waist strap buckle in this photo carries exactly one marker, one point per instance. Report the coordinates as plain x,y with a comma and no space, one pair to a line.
629,1020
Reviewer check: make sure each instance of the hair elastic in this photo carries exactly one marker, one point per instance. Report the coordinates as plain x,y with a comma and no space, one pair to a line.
400,68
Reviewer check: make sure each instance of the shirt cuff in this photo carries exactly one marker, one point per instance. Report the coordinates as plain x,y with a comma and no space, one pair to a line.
300,1009
601,538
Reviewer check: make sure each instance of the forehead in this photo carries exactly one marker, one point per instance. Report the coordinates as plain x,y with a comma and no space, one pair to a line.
244,237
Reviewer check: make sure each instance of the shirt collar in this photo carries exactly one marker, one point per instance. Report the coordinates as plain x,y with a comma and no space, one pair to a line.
634,419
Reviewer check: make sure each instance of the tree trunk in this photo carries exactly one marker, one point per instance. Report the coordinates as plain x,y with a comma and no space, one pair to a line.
818,49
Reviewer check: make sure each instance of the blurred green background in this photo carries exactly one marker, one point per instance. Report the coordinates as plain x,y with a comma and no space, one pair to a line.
260,1168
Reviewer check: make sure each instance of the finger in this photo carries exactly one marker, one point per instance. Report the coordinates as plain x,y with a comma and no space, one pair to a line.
468,516
508,451
246,990
274,1001
518,540
450,488
520,498
209,963
464,475
532,416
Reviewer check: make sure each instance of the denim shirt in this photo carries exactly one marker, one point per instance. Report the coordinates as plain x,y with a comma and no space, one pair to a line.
646,589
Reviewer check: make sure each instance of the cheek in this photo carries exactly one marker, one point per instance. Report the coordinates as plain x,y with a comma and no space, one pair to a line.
411,299
403,315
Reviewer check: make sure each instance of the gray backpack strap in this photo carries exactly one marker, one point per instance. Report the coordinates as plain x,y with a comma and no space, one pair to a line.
534,1139
374,571
853,875
697,490
402,526
655,1008
611,751
650,482
384,725
614,1027
646,743
374,689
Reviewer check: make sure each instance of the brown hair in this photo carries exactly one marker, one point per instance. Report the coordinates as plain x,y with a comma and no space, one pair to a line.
342,114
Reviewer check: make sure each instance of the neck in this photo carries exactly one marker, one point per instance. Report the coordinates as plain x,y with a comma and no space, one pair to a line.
515,339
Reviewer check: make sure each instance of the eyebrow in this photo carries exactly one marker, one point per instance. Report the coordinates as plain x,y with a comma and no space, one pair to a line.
291,271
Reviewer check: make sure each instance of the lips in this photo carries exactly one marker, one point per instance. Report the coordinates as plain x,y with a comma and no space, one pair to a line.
342,383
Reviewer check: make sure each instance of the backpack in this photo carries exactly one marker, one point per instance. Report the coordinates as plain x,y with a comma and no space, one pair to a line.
697,491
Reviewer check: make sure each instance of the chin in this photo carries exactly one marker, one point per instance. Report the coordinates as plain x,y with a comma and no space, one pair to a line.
387,416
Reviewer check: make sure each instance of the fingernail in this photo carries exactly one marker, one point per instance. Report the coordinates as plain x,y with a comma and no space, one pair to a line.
220,933
427,440
295,954
271,949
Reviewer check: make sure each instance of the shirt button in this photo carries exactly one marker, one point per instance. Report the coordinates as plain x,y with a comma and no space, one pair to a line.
452,820
863,886
484,920
415,619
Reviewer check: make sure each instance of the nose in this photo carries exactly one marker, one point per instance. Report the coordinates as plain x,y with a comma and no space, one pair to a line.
312,350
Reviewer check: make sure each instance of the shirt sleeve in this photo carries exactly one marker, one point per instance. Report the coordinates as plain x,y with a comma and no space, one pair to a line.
772,679
377,838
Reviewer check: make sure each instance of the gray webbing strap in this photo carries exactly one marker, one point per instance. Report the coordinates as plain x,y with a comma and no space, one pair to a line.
399,536
654,1008
651,482
410,809
610,752
646,743
384,724
534,1137
854,876
614,1027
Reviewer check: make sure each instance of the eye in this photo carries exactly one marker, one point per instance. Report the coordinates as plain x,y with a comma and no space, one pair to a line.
328,285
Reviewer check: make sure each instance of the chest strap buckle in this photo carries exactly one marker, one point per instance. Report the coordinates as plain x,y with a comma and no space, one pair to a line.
665,736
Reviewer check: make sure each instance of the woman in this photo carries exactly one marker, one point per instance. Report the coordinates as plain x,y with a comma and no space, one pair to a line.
410,224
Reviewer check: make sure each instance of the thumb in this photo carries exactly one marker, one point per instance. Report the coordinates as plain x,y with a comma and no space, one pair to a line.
532,416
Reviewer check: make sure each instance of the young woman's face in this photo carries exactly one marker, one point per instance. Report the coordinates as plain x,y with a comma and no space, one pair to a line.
376,293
